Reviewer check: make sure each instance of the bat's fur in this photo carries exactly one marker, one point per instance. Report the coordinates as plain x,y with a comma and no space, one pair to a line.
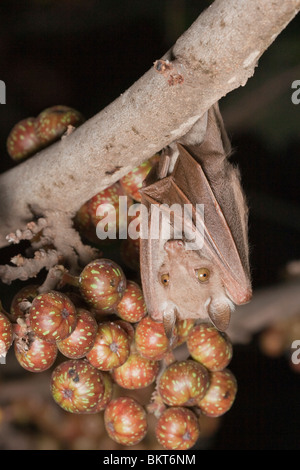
202,174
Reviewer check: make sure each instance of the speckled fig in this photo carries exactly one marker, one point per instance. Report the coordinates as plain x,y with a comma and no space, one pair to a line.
77,386
111,347
125,421
127,327
220,395
183,329
102,284
53,122
82,339
183,383
6,334
38,356
132,307
109,200
137,372
52,316
23,141
209,346
150,339
177,428
27,293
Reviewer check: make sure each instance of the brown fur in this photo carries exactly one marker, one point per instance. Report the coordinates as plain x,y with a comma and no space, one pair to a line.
202,175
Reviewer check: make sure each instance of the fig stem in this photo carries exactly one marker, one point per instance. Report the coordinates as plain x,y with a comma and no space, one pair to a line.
68,278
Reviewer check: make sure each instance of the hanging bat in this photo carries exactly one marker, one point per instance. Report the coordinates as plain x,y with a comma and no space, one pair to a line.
206,282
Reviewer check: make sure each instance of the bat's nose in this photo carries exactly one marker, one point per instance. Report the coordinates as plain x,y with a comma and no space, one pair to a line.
247,296
243,296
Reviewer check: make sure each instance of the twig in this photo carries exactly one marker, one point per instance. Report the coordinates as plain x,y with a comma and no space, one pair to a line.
53,278
32,229
30,267
67,240
54,230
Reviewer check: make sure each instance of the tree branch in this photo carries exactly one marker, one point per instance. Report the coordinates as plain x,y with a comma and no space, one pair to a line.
29,267
267,306
217,54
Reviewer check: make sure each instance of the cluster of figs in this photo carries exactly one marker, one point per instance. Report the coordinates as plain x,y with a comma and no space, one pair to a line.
95,333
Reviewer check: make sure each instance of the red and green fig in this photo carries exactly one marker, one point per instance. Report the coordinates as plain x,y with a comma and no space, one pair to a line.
53,122
125,421
127,327
102,284
209,346
137,372
132,307
111,347
38,356
6,334
150,339
27,293
23,141
82,339
183,329
109,200
52,316
220,395
183,383
77,386
177,428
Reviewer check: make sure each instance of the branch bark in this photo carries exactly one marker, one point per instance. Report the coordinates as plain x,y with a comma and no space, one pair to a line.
217,54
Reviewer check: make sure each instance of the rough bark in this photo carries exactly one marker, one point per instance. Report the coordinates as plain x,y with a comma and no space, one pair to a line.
217,54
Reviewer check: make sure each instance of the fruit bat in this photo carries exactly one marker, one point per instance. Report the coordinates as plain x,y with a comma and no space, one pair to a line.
205,278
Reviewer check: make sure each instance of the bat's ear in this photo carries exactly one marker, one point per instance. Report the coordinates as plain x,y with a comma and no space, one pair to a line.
219,313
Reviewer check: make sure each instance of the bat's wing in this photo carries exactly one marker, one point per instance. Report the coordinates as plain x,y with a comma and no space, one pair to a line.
188,185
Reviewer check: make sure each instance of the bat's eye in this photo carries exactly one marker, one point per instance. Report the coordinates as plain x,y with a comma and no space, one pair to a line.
203,274
165,278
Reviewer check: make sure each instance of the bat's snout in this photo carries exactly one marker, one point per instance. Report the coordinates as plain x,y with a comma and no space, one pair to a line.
243,297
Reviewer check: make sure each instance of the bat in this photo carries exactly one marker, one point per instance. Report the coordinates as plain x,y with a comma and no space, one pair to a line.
207,281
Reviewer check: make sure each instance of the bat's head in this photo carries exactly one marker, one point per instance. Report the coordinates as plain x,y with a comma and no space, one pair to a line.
189,285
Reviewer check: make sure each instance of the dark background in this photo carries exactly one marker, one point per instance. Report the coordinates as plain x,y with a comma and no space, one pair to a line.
84,54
